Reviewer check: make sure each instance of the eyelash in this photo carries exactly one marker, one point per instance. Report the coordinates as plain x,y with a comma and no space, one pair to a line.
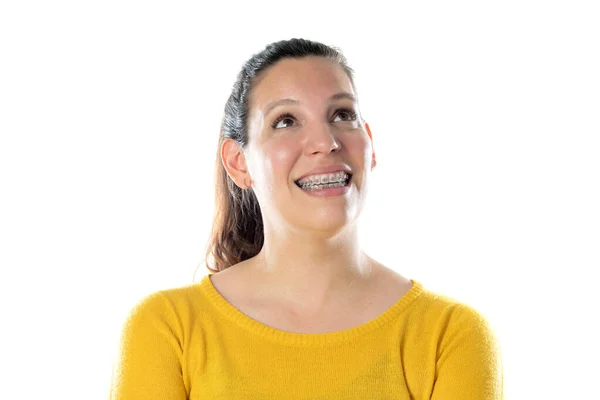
283,116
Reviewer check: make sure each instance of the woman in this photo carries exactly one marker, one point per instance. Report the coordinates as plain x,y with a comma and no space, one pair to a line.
293,308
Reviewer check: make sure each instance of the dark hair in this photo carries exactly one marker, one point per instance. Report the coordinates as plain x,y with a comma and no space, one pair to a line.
237,231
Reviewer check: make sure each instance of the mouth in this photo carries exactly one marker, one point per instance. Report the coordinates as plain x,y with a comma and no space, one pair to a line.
346,182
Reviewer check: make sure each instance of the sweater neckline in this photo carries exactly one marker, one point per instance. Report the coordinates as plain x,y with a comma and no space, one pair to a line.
244,321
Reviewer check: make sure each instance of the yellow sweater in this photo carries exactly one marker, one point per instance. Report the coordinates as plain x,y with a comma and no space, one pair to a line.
190,343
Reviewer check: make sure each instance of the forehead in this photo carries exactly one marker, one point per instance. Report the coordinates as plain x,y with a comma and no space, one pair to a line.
307,79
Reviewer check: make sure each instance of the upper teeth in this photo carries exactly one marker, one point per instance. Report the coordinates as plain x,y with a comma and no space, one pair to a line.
324,178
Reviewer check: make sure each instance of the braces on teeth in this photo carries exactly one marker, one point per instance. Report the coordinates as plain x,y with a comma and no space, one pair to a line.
325,182
318,187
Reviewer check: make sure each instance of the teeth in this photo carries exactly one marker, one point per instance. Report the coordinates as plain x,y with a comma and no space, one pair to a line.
327,186
324,182
324,179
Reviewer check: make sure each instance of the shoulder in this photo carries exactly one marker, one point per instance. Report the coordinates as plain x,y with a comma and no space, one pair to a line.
448,318
152,350
149,311
175,307
450,308
458,326
387,279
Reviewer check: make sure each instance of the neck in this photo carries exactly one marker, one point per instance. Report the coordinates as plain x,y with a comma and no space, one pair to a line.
310,273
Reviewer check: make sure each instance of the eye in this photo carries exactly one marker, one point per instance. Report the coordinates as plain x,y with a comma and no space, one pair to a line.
347,115
350,114
282,118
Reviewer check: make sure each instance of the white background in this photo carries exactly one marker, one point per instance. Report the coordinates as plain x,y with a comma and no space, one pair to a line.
485,120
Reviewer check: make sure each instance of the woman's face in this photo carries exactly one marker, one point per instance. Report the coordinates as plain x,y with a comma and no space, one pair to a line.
303,116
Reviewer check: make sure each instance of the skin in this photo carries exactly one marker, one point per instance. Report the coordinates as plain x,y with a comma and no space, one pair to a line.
311,260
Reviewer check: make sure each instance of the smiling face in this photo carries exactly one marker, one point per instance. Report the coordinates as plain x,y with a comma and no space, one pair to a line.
303,115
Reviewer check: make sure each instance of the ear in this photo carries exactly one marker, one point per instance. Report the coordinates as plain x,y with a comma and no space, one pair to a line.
234,161
371,137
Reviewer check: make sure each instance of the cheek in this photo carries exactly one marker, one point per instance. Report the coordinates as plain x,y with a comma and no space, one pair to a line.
359,147
279,160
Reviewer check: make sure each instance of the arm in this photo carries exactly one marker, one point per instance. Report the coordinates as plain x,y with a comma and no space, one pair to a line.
150,353
469,362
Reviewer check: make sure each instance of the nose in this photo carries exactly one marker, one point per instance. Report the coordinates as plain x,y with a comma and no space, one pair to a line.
321,138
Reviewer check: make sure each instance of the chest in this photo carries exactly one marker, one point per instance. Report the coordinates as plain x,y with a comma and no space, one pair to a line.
344,315
338,319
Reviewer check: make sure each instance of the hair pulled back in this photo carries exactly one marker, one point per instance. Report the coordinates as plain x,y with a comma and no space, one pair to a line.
237,229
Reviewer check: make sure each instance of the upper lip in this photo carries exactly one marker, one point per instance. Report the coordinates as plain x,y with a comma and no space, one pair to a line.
323,169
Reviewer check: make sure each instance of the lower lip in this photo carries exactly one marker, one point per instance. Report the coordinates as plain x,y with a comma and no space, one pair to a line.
330,192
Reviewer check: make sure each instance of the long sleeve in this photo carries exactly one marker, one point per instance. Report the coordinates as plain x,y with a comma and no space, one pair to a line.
149,364
469,364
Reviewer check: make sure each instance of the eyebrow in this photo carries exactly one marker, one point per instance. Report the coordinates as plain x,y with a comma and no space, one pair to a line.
277,103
